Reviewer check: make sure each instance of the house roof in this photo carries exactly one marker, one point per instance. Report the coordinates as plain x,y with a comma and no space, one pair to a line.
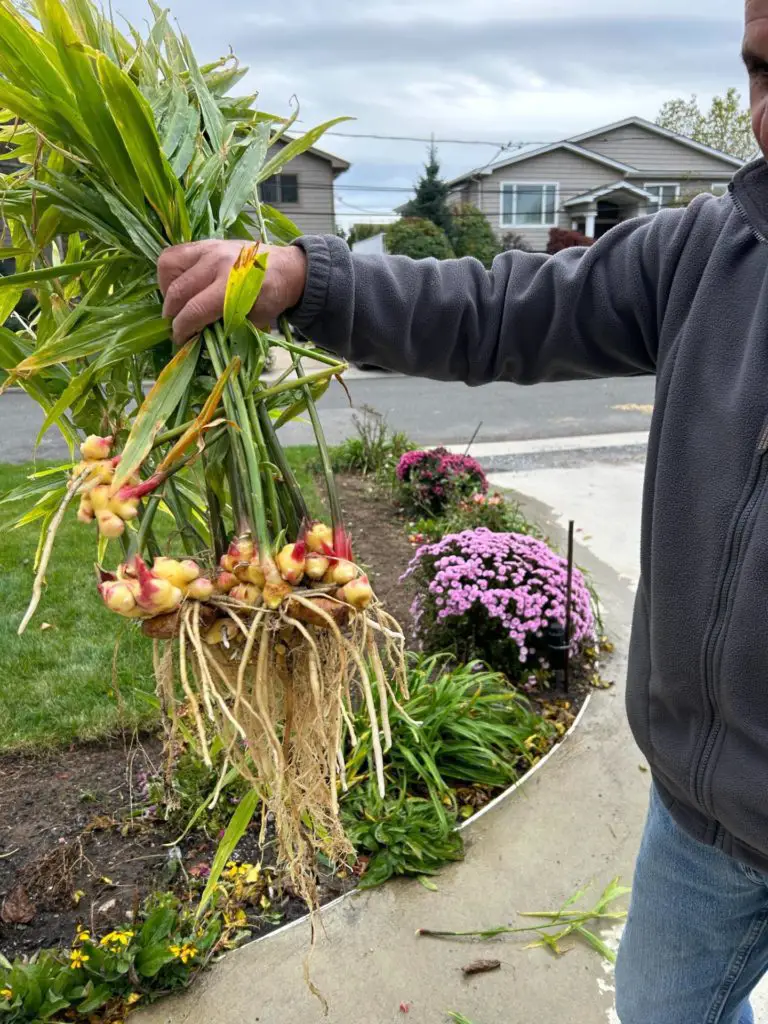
573,145
641,122
565,144
338,164
605,190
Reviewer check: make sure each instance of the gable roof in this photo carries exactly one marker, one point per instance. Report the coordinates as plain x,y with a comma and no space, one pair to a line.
566,144
338,164
573,145
616,186
665,133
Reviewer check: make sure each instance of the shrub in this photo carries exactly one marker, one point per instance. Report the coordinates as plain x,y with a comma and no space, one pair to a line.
511,240
560,239
418,239
472,234
376,449
399,834
490,510
493,597
432,480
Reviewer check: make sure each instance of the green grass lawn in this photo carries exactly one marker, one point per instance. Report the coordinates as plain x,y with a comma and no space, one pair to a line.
57,685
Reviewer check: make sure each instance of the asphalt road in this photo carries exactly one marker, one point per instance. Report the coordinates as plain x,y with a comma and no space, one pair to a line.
428,411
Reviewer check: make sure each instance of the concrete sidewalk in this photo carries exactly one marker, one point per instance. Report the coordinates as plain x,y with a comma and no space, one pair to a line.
577,820
281,361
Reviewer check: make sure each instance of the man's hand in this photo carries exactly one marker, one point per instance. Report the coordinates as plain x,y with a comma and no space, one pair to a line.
193,280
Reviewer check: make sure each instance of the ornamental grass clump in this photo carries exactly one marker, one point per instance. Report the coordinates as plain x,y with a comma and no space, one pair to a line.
432,480
494,596
263,625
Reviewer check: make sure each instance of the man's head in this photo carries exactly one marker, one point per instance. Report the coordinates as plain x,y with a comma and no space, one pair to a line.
756,61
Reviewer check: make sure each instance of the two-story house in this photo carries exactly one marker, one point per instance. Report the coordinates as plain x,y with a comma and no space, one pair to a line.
303,191
593,181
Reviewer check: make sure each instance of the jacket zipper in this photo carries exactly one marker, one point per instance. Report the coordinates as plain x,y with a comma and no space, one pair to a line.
744,216
721,612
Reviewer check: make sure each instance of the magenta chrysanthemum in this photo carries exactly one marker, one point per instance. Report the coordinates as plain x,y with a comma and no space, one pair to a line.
432,479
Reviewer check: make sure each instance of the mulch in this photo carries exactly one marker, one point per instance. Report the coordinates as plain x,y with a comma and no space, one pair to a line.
76,846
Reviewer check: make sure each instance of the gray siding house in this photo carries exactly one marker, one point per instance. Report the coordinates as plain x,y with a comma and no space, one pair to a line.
591,182
303,190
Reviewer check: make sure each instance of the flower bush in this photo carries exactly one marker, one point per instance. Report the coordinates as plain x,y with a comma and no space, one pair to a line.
493,511
432,480
494,596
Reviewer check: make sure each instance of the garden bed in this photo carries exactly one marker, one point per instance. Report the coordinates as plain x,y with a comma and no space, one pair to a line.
74,834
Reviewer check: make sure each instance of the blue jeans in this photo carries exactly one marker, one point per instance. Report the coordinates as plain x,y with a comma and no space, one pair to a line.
696,941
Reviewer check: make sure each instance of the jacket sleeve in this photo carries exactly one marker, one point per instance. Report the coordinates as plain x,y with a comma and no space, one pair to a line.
583,313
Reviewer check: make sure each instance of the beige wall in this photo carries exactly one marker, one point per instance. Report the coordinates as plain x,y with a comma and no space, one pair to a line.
314,213
648,151
572,173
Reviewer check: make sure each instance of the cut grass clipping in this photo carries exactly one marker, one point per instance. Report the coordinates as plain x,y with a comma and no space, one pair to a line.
263,627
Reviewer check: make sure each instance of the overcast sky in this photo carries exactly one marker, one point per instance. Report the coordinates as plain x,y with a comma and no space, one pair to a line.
496,70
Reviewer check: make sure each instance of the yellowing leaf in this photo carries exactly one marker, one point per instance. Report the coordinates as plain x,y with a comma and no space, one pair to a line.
161,401
196,428
243,286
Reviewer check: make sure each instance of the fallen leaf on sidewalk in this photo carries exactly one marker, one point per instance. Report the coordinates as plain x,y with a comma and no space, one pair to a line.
17,907
481,967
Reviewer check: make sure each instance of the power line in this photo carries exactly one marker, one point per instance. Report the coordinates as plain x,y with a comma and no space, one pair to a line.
509,144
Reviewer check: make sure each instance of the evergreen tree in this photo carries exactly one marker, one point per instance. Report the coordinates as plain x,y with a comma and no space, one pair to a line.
431,199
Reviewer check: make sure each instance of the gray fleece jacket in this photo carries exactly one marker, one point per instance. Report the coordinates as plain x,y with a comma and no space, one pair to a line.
682,295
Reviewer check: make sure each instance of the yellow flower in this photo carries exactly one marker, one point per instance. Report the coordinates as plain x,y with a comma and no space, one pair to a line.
6,993
134,997
83,936
77,958
237,871
117,939
184,953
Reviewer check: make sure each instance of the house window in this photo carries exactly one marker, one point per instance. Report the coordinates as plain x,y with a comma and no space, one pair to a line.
280,189
719,188
526,204
665,194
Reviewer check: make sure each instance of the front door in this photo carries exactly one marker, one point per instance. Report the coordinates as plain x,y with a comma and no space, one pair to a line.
608,216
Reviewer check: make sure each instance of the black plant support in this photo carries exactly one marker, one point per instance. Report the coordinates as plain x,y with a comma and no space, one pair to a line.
559,637
568,606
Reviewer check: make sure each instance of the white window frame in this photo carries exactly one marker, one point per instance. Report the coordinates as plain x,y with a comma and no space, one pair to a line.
723,185
662,184
513,186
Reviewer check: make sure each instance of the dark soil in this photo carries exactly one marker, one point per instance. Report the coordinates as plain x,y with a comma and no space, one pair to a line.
73,839
78,848
380,543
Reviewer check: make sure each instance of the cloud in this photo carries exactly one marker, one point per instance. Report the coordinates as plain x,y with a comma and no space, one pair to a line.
526,70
